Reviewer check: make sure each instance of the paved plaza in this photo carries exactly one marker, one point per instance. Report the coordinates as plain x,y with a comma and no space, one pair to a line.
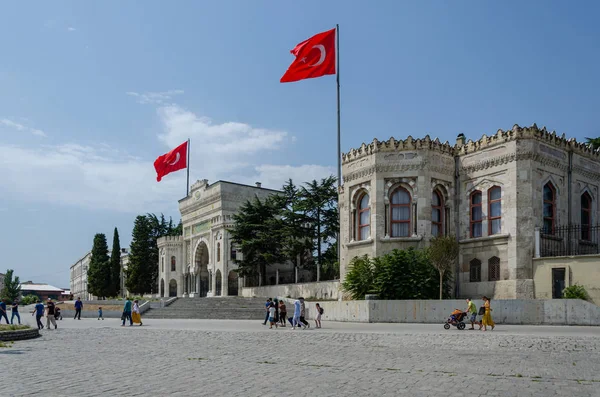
244,358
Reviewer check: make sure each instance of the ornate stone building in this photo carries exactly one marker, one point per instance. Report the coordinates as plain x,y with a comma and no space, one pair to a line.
201,262
492,194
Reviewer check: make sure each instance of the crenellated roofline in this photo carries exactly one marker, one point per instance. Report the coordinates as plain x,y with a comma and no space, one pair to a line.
461,147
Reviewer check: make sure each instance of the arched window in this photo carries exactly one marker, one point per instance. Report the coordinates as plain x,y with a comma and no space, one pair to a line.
173,264
475,270
437,214
364,217
494,268
475,214
494,210
586,216
400,213
218,252
162,263
549,208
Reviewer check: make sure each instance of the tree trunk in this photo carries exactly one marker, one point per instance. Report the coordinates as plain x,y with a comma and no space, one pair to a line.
441,285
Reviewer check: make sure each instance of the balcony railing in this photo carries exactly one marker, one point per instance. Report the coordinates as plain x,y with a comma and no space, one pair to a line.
569,240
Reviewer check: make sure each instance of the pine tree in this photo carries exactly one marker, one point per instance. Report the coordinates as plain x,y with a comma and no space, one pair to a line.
115,266
98,278
141,266
12,288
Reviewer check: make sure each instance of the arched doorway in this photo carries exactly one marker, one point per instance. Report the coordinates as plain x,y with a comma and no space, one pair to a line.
201,256
232,283
219,283
172,288
162,287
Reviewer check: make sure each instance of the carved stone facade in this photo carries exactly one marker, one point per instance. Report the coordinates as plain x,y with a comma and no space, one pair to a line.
490,193
201,262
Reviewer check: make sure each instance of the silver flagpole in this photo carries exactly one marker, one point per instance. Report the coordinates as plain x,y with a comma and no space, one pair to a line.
339,140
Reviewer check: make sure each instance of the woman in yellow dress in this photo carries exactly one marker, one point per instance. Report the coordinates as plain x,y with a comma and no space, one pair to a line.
136,316
487,316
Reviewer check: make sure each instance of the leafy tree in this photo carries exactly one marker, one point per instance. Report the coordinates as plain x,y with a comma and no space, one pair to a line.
98,278
141,266
594,142
29,299
115,266
576,292
443,251
12,287
360,278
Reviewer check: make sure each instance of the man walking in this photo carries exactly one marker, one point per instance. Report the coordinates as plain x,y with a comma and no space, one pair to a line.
39,313
127,313
267,306
303,314
3,311
472,313
78,307
297,312
50,314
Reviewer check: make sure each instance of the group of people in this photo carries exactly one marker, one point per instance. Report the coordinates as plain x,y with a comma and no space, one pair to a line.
276,314
14,310
485,313
131,313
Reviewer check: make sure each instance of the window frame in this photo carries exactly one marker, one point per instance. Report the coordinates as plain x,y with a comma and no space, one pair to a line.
586,228
475,264
173,263
471,206
359,212
218,252
490,217
392,206
439,208
496,265
552,202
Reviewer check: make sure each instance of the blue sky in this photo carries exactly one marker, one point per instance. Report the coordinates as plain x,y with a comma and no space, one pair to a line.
92,92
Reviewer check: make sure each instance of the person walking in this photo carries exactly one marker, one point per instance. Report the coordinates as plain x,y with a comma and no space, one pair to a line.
50,314
100,313
127,313
78,307
267,306
136,317
282,313
297,311
15,312
487,321
39,313
318,317
3,311
303,314
472,313
272,311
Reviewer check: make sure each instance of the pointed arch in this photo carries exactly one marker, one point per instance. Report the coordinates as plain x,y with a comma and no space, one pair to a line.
400,212
549,195
586,216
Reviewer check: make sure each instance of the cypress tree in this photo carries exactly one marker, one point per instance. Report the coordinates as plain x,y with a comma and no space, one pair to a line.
115,266
141,267
99,271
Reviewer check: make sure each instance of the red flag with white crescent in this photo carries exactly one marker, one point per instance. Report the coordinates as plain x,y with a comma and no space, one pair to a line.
173,161
315,57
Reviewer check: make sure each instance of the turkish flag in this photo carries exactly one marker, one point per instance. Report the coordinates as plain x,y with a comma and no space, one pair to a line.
315,57
173,161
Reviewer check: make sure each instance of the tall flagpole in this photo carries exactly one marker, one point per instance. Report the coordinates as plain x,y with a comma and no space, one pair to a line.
339,143
188,169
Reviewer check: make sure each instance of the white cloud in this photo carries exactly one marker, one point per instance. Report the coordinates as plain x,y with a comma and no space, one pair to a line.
71,29
157,98
20,127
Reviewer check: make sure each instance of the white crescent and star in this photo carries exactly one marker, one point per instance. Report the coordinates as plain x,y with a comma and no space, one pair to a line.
176,159
321,48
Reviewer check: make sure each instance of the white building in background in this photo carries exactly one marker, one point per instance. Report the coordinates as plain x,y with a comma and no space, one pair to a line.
124,264
78,282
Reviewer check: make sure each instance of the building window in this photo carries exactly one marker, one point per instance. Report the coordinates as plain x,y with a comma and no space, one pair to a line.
162,267
233,253
437,214
173,264
549,208
586,216
475,270
494,210
494,268
400,213
476,214
218,252
364,217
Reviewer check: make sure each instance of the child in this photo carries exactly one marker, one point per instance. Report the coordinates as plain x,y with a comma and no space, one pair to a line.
318,316
272,316
100,313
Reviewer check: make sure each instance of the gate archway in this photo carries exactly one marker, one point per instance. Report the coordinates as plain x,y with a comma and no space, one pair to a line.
219,283
172,288
201,261
232,283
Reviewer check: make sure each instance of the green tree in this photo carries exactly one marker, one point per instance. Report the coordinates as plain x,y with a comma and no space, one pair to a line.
12,287
443,252
141,266
256,232
98,278
360,279
160,228
115,266
594,143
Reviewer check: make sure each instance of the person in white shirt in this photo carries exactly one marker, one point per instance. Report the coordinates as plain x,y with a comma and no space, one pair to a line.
272,312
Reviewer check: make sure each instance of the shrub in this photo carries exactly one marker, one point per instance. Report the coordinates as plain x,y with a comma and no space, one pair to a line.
576,292
360,278
28,300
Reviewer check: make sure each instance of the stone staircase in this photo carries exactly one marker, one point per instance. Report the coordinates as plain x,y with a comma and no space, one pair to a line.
226,308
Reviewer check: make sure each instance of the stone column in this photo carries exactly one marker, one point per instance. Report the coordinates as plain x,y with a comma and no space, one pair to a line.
214,283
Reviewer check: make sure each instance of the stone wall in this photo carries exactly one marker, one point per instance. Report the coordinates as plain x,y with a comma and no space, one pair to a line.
329,290
582,270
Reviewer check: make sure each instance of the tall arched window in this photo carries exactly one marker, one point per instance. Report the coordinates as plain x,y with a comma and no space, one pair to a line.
475,214
475,270
218,252
364,217
173,264
549,208
494,210
162,262
437,214
494,268
586,216
400,213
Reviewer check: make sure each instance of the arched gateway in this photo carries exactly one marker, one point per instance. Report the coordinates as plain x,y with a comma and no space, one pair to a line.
201,262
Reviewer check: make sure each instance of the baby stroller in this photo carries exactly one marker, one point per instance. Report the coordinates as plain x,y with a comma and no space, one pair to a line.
57,314
456,320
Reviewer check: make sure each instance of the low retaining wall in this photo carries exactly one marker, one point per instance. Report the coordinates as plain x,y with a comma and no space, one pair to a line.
20,334
515,311
329,290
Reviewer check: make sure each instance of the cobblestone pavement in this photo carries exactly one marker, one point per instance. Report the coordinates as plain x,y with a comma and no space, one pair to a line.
244,358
